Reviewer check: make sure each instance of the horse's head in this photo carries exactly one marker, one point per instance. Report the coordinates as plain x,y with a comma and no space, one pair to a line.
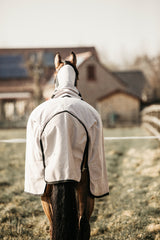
66,71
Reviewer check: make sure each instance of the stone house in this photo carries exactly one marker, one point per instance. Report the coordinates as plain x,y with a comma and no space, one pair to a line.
122,107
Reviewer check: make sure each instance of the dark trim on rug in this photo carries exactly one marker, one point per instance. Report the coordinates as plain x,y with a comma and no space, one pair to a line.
85,155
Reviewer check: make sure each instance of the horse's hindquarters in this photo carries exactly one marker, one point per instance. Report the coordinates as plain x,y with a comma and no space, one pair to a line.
68,207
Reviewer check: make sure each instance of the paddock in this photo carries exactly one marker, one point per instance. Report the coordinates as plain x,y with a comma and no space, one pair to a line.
131,211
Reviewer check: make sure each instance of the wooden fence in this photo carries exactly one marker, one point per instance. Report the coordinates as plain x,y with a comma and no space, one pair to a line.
151,119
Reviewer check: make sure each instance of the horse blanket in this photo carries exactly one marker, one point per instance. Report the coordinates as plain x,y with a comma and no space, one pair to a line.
57,132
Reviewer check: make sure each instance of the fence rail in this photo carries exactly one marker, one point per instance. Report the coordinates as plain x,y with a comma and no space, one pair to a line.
23,140
151,119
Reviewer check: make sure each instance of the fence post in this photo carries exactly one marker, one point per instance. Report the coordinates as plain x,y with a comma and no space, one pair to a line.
151,119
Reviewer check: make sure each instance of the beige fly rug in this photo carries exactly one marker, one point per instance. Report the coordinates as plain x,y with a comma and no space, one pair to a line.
58,132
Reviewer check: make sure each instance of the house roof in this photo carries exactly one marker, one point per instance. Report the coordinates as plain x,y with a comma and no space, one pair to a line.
12,66
82,57
135,81
63,51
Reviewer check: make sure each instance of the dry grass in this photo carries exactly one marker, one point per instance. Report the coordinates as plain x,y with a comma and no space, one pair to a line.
131,212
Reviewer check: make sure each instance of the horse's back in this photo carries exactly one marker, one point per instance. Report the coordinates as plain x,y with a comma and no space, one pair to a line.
64,140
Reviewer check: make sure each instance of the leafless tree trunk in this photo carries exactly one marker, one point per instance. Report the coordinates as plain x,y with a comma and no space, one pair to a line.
35,69
151,67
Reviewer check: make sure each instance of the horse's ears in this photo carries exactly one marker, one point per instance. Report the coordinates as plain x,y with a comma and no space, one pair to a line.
57,60
73,59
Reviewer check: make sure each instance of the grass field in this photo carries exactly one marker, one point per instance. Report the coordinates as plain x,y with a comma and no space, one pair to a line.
130,212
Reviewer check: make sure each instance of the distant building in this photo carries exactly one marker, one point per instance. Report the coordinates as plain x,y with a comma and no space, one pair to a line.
26,77
118,96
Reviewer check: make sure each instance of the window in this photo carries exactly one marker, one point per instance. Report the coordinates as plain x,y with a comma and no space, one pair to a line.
91,73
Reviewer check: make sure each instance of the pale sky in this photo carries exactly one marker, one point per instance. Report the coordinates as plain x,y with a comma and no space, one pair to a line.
119,29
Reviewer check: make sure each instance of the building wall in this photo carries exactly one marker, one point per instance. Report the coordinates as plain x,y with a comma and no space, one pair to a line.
103,83
16,85
119,108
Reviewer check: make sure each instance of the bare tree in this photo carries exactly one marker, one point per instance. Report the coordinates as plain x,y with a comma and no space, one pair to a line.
151,68
35,68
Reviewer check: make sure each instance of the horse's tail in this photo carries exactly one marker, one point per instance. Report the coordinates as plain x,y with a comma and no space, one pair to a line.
65,213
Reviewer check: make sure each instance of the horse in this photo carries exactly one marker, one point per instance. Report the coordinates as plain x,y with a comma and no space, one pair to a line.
65,160
69,205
